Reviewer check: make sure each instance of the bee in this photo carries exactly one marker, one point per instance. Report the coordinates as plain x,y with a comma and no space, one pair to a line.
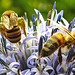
57,40
10,26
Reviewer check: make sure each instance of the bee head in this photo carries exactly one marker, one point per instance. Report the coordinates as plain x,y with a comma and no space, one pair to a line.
9,19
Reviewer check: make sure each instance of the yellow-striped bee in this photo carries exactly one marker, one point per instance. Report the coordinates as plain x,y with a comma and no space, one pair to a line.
58,40
9,26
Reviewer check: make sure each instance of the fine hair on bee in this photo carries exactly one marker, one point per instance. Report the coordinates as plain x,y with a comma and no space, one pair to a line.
57,40
9,26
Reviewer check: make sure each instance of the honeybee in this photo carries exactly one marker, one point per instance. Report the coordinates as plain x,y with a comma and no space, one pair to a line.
9,26
58,40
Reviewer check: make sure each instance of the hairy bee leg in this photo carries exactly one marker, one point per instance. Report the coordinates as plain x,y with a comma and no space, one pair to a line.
59,56
2,28
73,58
22,24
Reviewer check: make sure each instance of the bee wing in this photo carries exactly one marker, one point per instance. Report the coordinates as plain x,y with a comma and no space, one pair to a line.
22,24
61,27
66,30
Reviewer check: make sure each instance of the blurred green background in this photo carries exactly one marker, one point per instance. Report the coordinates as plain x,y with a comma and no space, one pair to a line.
21,6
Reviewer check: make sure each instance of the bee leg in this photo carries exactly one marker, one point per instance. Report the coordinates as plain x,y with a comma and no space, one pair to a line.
52,31
73,58
3,30
60,56
21,23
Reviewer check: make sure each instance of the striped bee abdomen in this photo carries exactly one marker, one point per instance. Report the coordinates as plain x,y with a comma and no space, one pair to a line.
14,35
52,44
